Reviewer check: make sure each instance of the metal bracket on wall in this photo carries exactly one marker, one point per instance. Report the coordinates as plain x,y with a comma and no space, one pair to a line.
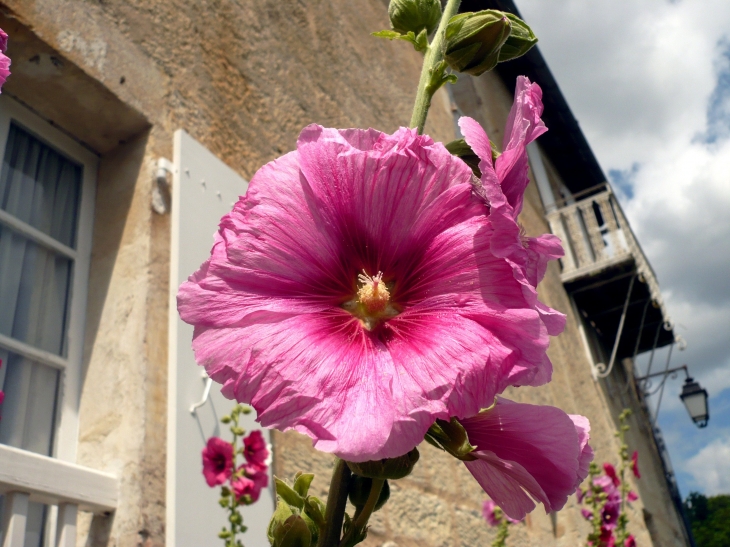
161,195
206,393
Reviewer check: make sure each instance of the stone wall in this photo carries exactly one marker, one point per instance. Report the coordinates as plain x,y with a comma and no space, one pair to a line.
243,77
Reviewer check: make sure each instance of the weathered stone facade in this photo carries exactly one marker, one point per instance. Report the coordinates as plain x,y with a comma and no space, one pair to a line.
243,77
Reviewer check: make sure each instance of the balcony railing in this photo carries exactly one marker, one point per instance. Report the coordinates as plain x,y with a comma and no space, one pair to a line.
596,237
26,477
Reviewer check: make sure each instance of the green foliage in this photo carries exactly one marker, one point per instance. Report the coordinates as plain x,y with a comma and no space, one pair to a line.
710,519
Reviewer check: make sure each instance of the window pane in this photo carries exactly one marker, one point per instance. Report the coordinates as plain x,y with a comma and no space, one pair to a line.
29,409
40,186
34,292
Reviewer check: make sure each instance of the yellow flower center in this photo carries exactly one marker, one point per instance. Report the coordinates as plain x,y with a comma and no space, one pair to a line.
373,295
372,302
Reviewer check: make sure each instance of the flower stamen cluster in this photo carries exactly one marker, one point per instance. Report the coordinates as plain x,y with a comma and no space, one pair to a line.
372,303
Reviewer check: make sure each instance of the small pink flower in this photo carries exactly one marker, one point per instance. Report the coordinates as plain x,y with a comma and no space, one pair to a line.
579,494
4,59
527,452
635,464
630,541
360,291
632,496
586,514
255,450
217,461
250,483
488,513
610,470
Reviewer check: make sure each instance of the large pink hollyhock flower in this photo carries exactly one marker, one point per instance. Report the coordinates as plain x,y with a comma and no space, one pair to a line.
353,295
4,59
217,461
504,184
255,450
525,452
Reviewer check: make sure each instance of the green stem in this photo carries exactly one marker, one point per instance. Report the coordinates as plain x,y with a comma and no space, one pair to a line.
434,55
502,534
336,503
361,519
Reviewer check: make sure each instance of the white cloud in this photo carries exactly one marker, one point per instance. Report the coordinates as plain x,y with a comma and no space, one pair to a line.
710,467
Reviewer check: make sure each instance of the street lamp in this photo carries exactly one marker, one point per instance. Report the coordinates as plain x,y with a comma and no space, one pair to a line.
694,398
693,395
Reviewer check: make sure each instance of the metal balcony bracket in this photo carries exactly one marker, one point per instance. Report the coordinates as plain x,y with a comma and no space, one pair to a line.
603,370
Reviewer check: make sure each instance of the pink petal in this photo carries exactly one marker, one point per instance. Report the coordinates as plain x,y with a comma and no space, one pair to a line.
583,428
523,126
539,442
507,482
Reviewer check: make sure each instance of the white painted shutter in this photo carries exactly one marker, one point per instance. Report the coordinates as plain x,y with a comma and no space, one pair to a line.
204,189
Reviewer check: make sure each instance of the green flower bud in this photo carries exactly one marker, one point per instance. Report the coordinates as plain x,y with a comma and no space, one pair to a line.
360,491
520,41
293,532
414,15
473,41
390,468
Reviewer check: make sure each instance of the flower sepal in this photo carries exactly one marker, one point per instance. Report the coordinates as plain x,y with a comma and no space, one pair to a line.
521,40
388,468
473,40
451,437
293,532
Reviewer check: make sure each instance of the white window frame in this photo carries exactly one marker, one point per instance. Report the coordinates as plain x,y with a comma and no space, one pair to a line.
65,438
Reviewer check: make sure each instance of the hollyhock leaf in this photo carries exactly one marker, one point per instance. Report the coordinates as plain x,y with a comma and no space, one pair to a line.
388,34
278,312
521,447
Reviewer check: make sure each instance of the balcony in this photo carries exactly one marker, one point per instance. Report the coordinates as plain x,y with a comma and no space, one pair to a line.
605,271
27,477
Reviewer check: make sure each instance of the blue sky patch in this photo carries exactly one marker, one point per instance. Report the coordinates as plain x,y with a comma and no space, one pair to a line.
623,179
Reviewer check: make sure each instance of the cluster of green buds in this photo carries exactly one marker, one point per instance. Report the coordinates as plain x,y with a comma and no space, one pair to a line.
474,42
299,518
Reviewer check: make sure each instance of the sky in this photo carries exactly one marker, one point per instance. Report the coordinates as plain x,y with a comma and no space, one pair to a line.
649,82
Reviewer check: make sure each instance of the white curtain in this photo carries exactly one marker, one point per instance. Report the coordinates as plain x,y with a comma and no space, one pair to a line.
41,188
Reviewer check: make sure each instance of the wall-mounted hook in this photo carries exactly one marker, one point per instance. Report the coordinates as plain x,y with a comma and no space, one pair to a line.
206,394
